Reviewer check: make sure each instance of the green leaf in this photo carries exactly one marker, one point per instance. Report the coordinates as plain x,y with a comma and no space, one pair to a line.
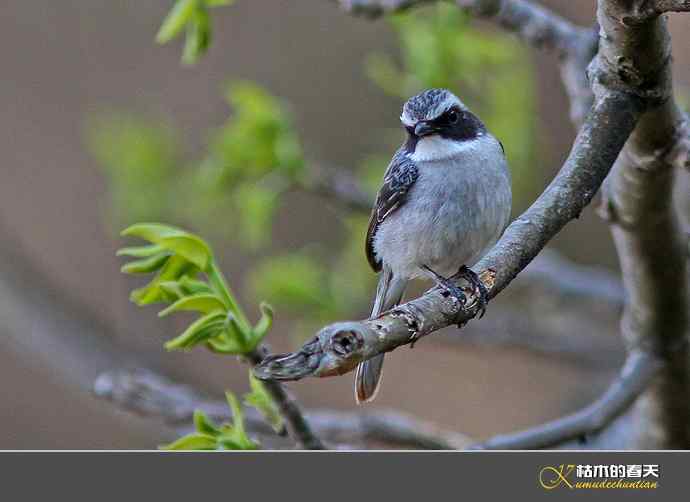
234,437
191,247
146,265
200,330
198,37
237,415
172,290
265,322
262,401
233,339
140,251
205,303
153,232
226,345
173,239
175,21
204,425
209,436
175,268
194,441
193,287
221,345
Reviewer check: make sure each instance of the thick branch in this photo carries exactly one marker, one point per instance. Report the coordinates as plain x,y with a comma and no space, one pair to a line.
638,202
650,9
338,348
149,394
662,6
636,375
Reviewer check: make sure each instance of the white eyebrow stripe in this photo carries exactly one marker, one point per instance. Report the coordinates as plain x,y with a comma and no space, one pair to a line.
406,120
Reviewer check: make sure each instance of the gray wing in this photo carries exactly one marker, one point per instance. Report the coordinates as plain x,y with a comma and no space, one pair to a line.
399,178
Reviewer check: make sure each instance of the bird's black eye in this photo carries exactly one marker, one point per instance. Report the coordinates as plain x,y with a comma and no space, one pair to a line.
453,117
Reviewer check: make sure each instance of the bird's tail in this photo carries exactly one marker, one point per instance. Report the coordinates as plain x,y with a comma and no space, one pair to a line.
368,376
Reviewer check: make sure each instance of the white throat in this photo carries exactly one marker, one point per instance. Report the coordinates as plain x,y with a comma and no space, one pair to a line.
435,148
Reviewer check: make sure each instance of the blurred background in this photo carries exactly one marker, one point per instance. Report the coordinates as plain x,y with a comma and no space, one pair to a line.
102,128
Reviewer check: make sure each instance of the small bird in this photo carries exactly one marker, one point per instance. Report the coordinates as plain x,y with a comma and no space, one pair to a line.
445,201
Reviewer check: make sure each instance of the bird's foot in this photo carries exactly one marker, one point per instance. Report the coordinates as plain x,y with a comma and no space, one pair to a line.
449,286
477,285
413,339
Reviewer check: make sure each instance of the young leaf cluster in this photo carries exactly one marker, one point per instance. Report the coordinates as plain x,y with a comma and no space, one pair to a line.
187,278
209,436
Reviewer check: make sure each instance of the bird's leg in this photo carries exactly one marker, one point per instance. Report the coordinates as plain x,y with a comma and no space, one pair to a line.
448,285
479,288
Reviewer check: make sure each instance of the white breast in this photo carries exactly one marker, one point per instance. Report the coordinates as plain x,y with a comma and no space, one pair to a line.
455,211
435,148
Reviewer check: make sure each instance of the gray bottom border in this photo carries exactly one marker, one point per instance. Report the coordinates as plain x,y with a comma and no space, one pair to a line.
297,476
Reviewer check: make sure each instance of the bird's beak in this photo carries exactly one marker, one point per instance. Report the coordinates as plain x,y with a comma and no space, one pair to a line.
423,128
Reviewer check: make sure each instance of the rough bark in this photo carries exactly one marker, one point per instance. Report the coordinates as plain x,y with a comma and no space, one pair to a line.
635,54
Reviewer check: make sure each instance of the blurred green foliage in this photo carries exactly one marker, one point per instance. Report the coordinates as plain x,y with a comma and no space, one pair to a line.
250,161
140,158
192,17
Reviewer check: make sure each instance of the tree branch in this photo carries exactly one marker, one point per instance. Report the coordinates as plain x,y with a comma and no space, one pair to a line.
662,6
338,185
638,203
650,9
148,394
636,375
298,426
338,348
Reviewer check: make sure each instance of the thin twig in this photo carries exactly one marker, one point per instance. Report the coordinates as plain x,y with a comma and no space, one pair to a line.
338,185
636,375
298,426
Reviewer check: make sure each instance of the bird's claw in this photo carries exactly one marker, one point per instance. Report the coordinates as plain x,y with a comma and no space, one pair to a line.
448,285
478,286
413,339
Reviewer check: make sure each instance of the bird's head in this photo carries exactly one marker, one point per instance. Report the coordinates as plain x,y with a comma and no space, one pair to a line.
439,125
